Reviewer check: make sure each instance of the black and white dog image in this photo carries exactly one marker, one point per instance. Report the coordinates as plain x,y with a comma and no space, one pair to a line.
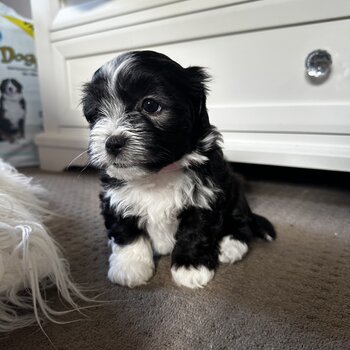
12,111
166,186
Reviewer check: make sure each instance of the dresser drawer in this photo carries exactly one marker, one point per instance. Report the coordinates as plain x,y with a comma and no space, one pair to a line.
259,80
260,83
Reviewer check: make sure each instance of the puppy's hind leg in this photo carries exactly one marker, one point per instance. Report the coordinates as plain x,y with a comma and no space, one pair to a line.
244,226
231,249
240,227
247,225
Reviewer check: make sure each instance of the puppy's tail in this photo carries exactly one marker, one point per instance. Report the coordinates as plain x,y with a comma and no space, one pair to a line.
262,228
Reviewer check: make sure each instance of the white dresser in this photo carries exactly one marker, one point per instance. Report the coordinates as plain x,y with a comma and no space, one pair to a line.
262,99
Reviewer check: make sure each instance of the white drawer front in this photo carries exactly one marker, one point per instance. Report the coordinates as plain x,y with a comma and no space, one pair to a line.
259,81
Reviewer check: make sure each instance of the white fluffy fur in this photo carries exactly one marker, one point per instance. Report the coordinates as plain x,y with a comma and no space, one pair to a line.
131,265
192,277
232,250
27,254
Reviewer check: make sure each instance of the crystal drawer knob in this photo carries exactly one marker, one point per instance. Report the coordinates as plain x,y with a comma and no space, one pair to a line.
318,64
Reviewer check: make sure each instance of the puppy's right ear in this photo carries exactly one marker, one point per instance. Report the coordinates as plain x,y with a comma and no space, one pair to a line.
93,92
89,104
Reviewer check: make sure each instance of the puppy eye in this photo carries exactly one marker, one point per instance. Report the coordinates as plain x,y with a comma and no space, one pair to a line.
150,106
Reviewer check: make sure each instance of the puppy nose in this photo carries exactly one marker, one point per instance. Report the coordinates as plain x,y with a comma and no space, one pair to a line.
114,144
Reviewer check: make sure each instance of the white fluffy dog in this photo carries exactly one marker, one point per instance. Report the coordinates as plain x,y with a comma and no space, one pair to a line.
28,255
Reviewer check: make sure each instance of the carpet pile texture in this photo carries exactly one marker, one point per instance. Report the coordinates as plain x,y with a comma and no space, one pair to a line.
293,293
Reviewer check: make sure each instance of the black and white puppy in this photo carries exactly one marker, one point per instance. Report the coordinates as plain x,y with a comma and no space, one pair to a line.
12,110
166,186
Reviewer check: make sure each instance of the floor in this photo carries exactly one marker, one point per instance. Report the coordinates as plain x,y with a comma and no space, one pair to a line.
293,293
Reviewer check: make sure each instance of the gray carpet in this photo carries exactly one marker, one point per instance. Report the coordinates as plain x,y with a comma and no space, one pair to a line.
290,294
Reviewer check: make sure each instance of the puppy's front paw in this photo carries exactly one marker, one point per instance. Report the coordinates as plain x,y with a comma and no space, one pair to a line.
192,277
131,265
130,273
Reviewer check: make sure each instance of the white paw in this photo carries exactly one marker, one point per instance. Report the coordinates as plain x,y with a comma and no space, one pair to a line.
231,250
132,274
131,265
192,277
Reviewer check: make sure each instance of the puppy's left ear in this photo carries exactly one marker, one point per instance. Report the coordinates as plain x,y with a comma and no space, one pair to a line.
198,78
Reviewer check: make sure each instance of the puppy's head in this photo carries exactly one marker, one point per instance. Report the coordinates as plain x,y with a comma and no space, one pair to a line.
145,111
11,89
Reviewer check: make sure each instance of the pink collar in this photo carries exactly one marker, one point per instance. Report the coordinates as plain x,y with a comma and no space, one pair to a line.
170,167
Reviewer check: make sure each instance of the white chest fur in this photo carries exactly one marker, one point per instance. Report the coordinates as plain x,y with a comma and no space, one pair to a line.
157,201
